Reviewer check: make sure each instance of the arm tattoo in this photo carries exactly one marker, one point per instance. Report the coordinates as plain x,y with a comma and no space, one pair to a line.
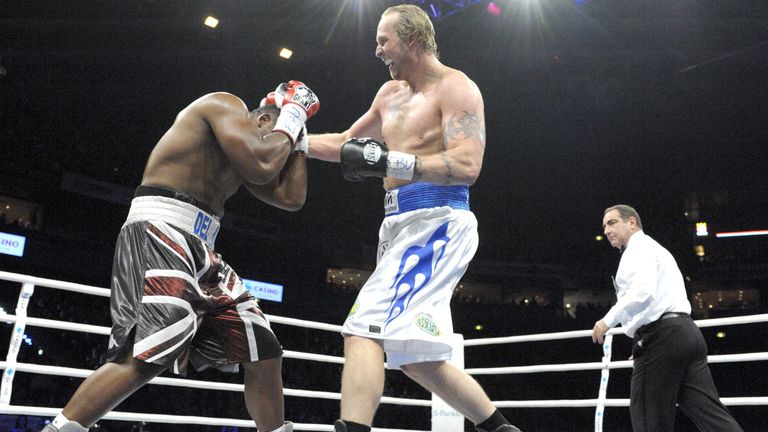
465,125
448,173
417,169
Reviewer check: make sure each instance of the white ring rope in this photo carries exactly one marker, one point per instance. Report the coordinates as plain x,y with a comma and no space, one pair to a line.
620,364
51,283
748,319
60,325
201,384
302,323
193,420
29,282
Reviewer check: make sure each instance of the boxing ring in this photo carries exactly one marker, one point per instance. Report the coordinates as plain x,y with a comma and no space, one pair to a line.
443,418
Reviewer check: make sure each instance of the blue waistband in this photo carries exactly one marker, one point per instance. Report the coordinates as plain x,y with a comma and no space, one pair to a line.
419,195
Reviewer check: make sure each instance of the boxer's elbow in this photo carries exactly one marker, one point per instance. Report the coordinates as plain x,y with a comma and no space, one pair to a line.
259,173
294,206
468,172
263,168
294,202
257,163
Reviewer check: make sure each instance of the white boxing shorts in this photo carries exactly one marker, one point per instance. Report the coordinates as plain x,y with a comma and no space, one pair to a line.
426,242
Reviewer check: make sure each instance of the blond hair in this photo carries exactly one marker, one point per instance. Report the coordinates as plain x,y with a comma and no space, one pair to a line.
414,24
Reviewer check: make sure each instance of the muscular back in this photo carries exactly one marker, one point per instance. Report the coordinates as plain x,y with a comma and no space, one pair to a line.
189,159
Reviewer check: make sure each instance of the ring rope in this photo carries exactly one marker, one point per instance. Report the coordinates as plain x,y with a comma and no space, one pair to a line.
195,420
274,319
573,334
52,283
30,281
105,331
201,384
587,403
620,364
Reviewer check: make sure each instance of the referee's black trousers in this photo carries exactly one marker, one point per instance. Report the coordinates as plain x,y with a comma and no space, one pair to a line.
671,370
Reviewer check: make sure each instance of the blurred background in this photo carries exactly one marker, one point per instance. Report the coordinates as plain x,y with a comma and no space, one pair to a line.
658,104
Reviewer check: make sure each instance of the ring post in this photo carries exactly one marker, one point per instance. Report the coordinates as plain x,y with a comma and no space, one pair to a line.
445,418
6,388
604,375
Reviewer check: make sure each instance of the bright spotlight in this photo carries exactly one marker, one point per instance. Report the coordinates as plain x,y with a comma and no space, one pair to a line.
211,22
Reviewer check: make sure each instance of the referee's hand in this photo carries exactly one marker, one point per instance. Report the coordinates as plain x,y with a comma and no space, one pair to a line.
598,332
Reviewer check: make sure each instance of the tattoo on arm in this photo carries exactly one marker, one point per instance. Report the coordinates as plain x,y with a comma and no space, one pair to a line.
465,125
417,169
448,173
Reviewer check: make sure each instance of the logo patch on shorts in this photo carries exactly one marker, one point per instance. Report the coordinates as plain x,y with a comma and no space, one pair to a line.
112,342
426,323
374,329
353,310
202,224
391,202
383,246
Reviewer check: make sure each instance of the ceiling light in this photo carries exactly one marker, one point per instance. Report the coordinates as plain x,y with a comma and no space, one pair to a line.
211,22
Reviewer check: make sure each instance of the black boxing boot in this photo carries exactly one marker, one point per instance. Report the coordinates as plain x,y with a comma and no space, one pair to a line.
339,426
348,426
496,423
503,428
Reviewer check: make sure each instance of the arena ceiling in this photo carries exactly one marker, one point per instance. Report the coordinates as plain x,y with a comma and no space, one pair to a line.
659,104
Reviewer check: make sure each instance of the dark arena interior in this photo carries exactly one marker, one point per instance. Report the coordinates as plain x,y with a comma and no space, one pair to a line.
588,103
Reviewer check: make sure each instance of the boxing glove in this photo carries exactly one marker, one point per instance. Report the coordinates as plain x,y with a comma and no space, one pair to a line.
301,147
269,99
296,92
297,103
366,157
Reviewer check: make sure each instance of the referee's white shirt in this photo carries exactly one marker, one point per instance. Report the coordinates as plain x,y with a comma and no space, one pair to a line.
648,283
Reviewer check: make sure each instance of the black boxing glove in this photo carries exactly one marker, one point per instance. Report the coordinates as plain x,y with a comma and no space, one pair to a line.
366,157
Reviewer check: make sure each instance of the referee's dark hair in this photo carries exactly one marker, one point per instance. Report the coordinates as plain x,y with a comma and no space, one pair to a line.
626,212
